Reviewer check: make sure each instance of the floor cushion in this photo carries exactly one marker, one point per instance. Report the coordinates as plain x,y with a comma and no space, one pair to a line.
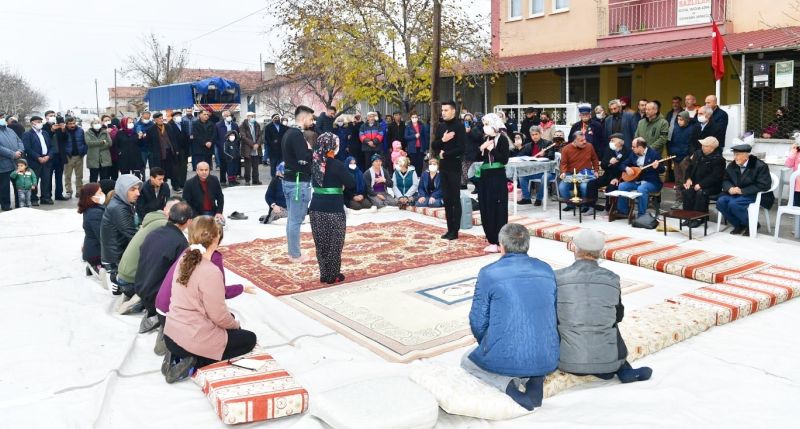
383,403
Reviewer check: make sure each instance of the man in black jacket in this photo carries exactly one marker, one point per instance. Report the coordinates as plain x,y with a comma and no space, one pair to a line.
531,119
273,136
203,193
719,117
118,226
396,131
703,177
154,193
297,157
448,146
745,177
203,135
179,135
159,250
709,127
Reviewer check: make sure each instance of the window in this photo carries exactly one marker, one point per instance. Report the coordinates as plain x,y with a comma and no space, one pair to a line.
514,9
560,5
537,7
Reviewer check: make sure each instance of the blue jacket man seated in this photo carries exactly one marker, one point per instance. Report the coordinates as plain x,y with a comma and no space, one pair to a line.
744,178
513,318
589,309
647,182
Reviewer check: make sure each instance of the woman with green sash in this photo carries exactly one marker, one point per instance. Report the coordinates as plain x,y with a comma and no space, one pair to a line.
328,222
492,189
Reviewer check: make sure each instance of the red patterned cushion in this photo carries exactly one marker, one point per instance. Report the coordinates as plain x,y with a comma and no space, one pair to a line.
240,395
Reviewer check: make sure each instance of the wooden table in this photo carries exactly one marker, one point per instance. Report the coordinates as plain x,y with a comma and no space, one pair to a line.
687,215
576,207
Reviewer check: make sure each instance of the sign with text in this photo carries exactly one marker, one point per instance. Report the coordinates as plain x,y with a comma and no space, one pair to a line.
784,74
692,12
760,75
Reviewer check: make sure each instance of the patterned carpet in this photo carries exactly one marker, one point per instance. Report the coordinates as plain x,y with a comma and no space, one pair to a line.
377,314
370,250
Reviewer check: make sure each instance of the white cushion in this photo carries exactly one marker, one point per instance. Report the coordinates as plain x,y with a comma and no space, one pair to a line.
383,403
459,392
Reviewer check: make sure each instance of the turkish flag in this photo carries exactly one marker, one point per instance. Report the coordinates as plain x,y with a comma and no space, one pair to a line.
717,46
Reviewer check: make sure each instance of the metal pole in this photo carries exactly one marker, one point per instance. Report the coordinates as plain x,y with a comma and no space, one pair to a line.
719,101
116,110
519,98
742,113
96,98
566,94
485,96
436,62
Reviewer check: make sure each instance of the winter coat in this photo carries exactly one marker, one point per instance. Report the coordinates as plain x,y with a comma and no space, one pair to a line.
130,154
627,126
148,200
706,171
202,133
593,134
755,179
425,180
411,138
272,137
98,154
159,251
179,138
10,143
685,140
475,138
25,180
713,129
73,139
589,309
91,232
165,291
248,140
513,317
119,224
454,148
614,171
130,258
368,181
345,134
222,133
405,185
650,175
33,147
193,194
396,132
372,133
324,123
654,132
274,194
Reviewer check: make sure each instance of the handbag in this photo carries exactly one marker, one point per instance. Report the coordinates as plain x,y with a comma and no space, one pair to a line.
646,221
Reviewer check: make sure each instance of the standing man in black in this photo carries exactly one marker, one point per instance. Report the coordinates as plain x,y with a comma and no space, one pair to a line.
273,136
179,136
448,146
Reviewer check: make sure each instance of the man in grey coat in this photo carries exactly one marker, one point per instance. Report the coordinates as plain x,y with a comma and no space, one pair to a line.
589,307
11,149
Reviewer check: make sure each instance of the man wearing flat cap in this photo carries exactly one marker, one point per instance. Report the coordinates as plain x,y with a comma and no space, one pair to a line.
745,177
589,308
704,176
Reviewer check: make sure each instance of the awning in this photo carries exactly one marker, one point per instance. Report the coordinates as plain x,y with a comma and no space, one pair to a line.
737,43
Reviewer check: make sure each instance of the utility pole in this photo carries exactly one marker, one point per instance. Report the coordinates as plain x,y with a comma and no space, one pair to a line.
437,47
96,98
116,112
166,75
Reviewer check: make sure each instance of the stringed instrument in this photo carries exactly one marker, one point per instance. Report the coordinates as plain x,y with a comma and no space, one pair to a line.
544,150
637,171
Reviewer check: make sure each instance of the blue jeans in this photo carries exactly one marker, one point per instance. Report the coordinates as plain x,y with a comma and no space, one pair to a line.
427,203
645,188
296,211
525,185
734,208
565,189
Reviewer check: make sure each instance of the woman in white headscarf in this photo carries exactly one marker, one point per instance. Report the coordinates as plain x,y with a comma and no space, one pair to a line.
492,189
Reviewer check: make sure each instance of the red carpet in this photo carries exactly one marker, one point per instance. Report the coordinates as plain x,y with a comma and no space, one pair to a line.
370,250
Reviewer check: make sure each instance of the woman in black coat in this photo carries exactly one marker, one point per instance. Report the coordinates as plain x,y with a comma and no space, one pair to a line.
126,144
90,205
492,189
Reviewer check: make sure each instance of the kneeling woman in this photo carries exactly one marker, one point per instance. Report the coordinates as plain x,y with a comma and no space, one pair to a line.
328,222
492,189
200,328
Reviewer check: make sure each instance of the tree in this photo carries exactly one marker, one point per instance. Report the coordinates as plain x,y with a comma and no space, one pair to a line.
278,98
17,96
375,49
155,64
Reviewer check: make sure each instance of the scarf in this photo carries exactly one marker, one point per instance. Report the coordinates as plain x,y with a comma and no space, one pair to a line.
326,146
357,174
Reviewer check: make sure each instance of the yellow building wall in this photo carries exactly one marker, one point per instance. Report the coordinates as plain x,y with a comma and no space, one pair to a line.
497,93
761,14
563,31
543,86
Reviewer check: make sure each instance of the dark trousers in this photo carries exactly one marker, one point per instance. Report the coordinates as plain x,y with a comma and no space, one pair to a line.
240,341
101,173
274,160
45,174
154,158
179,163
694,200
451,191
251,168
592,188
417,160
5,190
114,170
493,202
198,158
734,208
232,168
58,173
328,230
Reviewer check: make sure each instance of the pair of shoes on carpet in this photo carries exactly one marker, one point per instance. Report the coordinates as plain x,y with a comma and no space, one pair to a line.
302,259
177,371
237,216
336,279
492,248
449,236
129,305
148,323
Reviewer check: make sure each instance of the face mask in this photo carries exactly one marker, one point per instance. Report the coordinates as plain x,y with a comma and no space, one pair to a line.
100,199
252,120
276,121
702,119
107,123
612,146
130,125
51,119
489,131
228,119
3,122
599,116
145,121
433,168
96,126
352,166
37,126
285,122
177,118
232,138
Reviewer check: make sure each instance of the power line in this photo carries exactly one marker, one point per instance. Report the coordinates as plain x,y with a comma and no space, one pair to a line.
228,24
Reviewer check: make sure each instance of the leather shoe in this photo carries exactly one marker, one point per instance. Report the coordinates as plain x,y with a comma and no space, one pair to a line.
537,203
48,202
738,230
524,201
62,198
35,203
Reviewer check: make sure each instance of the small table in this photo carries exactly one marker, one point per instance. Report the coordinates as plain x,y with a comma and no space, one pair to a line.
686,215
577,207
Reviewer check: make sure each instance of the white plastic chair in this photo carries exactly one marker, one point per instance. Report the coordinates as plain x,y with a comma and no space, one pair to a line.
752,211
789,209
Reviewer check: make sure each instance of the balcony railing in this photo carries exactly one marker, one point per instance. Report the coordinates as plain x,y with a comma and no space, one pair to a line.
637,16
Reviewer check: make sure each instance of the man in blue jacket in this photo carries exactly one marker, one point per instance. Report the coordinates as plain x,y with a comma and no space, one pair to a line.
39,153
647,182
75,149
513,318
